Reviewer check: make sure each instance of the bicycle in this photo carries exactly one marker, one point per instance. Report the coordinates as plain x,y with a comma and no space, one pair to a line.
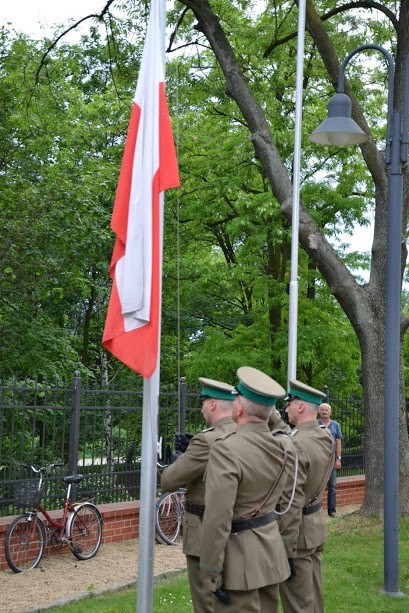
170,510
26,537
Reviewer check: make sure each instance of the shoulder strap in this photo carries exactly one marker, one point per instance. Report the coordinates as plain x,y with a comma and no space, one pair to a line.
257,510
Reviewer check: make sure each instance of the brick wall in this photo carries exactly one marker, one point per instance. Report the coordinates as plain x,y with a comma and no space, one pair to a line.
350,490
121,520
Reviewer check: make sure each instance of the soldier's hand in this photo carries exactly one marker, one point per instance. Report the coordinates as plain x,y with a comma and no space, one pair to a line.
182,440
222,595
174,456
291,562
274,419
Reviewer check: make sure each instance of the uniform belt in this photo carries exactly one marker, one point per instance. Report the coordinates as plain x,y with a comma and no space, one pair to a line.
238,525
195,509
312,509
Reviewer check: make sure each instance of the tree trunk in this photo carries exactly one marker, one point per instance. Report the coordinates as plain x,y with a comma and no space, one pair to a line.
363,305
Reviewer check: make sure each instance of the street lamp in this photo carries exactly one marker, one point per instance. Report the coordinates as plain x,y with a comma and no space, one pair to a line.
341,129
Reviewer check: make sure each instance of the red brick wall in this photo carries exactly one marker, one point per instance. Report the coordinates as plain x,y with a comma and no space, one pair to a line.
121,520
350,490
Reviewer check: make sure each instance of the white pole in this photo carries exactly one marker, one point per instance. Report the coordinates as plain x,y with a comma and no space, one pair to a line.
150,410
293,311
147,495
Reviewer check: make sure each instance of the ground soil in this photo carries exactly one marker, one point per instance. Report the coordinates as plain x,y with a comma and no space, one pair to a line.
61,577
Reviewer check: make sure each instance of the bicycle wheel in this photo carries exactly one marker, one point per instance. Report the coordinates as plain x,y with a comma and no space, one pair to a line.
85,531
170,509
25,542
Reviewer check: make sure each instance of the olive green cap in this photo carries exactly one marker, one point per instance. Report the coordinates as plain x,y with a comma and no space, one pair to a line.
258,387
304,392
216,389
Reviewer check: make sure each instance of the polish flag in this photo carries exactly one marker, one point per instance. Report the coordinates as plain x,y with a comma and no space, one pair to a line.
149,167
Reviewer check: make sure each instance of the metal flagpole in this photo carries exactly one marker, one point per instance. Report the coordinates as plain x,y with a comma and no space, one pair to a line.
150,409
148,494
293,309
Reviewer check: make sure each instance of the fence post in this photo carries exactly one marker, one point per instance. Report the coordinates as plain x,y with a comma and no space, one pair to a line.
182,404
74,429
326,392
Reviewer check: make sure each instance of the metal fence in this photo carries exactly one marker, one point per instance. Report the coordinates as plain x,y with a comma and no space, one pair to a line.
97,432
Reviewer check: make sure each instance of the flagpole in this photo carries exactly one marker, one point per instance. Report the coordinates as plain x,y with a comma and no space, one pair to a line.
293,308
150,409
148,493
133,325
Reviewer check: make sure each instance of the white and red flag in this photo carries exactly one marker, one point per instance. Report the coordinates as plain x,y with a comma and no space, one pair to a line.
149,167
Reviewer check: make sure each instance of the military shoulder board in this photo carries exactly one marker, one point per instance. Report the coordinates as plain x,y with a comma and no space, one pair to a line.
221,437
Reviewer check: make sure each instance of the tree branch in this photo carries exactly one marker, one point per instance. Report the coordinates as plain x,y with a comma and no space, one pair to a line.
54,43
332,13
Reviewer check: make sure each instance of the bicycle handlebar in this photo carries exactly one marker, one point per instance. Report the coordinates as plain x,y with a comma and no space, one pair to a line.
43,469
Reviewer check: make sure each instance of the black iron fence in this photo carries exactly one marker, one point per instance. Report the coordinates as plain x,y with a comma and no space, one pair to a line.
97,431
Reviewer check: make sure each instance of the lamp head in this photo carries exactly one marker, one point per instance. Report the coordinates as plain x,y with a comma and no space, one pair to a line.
339,128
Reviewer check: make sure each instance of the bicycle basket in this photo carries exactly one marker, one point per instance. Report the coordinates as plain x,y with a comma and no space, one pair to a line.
27,494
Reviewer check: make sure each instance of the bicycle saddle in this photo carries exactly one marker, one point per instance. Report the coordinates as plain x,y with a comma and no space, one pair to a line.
73,479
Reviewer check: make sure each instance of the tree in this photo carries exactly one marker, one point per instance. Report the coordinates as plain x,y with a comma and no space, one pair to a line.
62,139
233,260
233,212
362,303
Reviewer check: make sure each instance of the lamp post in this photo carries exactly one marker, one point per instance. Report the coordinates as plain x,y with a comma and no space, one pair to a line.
341,129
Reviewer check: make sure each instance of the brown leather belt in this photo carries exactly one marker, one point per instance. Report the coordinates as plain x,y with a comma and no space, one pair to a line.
195,509
312,509
238,525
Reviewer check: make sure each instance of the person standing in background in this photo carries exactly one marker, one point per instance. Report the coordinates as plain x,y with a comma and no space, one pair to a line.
335,429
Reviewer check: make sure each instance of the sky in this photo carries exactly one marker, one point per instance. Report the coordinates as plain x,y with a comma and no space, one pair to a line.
31,16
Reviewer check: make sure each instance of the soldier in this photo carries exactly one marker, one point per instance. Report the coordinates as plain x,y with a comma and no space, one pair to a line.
303,528
189,468
242,556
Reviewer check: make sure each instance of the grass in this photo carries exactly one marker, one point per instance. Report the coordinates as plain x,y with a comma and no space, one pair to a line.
170,595
353,576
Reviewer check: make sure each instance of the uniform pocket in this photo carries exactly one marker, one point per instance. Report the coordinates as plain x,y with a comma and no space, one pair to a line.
192,534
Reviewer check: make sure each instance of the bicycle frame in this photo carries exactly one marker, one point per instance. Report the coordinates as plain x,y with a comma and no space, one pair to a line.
68,508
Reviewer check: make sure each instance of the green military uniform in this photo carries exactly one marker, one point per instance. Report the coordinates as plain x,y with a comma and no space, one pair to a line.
303,528
249,563
189,470
276,422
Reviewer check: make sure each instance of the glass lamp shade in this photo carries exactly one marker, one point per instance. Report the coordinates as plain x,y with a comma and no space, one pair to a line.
339,129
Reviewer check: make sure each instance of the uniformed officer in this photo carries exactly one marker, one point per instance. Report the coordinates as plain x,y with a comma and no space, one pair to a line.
242,555
303,528
188,469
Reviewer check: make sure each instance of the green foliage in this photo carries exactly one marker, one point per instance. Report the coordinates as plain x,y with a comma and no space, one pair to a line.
227,247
